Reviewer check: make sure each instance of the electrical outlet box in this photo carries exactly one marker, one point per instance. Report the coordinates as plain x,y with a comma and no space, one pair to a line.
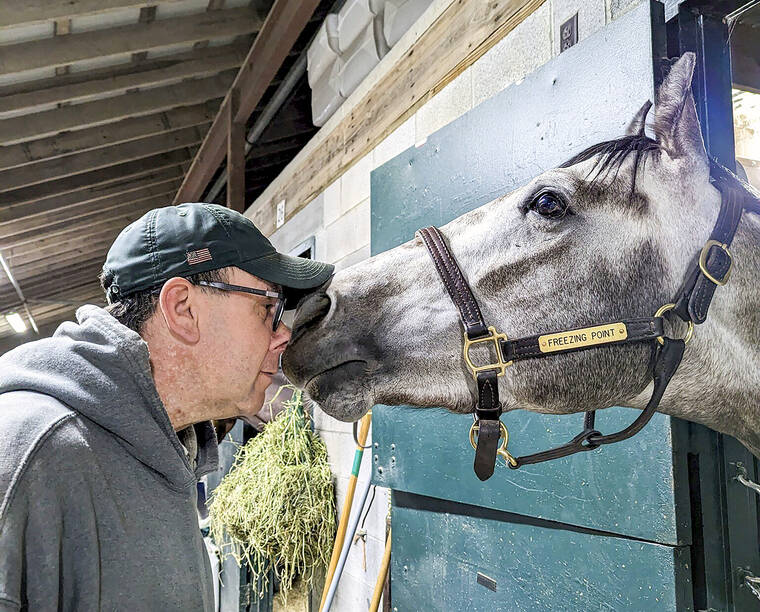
568,33
280,213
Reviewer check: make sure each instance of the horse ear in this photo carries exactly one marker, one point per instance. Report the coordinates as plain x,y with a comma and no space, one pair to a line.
675,119
638,123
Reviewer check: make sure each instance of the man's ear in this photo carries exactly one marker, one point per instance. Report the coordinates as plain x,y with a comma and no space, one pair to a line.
675,119
180,310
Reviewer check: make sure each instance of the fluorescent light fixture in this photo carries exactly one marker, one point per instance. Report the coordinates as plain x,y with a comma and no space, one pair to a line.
16,322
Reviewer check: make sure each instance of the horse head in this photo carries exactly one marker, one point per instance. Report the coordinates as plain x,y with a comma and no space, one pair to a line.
608,235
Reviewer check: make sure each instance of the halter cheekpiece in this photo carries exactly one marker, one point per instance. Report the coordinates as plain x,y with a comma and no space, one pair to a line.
710,269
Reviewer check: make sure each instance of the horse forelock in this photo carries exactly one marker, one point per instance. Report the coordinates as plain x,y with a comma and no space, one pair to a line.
610,156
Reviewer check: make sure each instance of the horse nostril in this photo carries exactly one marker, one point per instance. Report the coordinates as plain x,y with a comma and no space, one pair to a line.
311,309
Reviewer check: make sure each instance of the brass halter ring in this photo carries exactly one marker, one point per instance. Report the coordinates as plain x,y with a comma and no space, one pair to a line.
503,435
689,330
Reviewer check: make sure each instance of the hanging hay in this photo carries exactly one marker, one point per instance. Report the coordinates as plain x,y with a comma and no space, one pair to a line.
276,505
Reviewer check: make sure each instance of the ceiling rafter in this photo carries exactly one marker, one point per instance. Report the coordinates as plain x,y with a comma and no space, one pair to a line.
109,42
118,173
78,116
23,12
112,134
62,167
273,43
96,195
123,131
118,79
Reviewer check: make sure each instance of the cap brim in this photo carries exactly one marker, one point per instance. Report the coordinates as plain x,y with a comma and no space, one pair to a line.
297,275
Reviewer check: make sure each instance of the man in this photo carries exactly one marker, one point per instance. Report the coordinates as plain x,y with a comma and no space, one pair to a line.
97,491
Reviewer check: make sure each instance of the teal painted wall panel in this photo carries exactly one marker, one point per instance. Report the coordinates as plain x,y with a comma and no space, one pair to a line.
585,95
437,556
626,488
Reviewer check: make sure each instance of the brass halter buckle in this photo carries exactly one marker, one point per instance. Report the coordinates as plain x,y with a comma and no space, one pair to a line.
503,435
703,261
494,337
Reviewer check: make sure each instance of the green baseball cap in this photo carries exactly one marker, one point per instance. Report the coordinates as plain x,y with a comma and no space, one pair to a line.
190,238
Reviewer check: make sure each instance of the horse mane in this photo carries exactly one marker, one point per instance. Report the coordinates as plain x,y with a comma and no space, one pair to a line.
611,155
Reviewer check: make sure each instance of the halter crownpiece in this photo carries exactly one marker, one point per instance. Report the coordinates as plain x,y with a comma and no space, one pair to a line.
711,268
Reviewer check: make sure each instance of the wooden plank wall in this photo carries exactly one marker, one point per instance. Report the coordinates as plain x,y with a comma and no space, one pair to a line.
461,35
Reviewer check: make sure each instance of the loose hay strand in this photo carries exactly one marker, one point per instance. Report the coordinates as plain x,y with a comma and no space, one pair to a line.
275,508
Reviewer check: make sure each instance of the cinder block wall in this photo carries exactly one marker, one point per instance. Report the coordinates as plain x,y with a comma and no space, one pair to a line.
339,218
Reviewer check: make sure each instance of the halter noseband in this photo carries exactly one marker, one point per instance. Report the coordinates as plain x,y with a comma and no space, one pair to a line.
711,268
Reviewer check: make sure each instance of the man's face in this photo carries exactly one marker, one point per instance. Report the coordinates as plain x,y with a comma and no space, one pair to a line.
239,345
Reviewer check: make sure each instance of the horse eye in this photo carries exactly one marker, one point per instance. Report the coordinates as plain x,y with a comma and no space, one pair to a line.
549,205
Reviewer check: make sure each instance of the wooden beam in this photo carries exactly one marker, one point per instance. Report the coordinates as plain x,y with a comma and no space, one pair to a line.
235,156
281,29
18,234
27,254
461,34
62,28
108,110
80,294
63,262
74,230
43,284
118,79
19,12
100,205
38,285
51,52
91,196
121,173
108,135
61,167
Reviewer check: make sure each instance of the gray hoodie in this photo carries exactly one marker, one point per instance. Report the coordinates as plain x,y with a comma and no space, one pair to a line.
97,496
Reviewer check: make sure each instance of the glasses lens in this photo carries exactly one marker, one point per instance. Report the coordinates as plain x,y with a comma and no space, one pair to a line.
278,310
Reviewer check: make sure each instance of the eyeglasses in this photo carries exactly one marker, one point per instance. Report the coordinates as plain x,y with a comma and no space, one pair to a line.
279,306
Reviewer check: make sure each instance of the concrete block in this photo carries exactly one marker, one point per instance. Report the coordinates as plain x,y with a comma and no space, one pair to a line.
352,595
331,202
397,141
591,17
354,186
519,53
452,102
304,224
375,523
356,567
340,451
349,233
616,8
353,258
324,422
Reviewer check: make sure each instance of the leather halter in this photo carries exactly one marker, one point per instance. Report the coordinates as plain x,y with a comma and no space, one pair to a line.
711,268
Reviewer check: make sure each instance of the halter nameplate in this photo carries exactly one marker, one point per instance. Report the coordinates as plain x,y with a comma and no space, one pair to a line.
587,336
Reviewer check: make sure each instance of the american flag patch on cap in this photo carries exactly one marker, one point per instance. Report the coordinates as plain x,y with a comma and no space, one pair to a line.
196,257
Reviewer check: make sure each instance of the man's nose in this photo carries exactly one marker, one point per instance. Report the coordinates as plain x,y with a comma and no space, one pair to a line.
310,311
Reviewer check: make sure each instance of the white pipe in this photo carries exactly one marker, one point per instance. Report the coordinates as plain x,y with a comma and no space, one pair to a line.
279,97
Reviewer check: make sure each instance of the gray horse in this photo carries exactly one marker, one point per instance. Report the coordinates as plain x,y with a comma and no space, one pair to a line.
607,236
